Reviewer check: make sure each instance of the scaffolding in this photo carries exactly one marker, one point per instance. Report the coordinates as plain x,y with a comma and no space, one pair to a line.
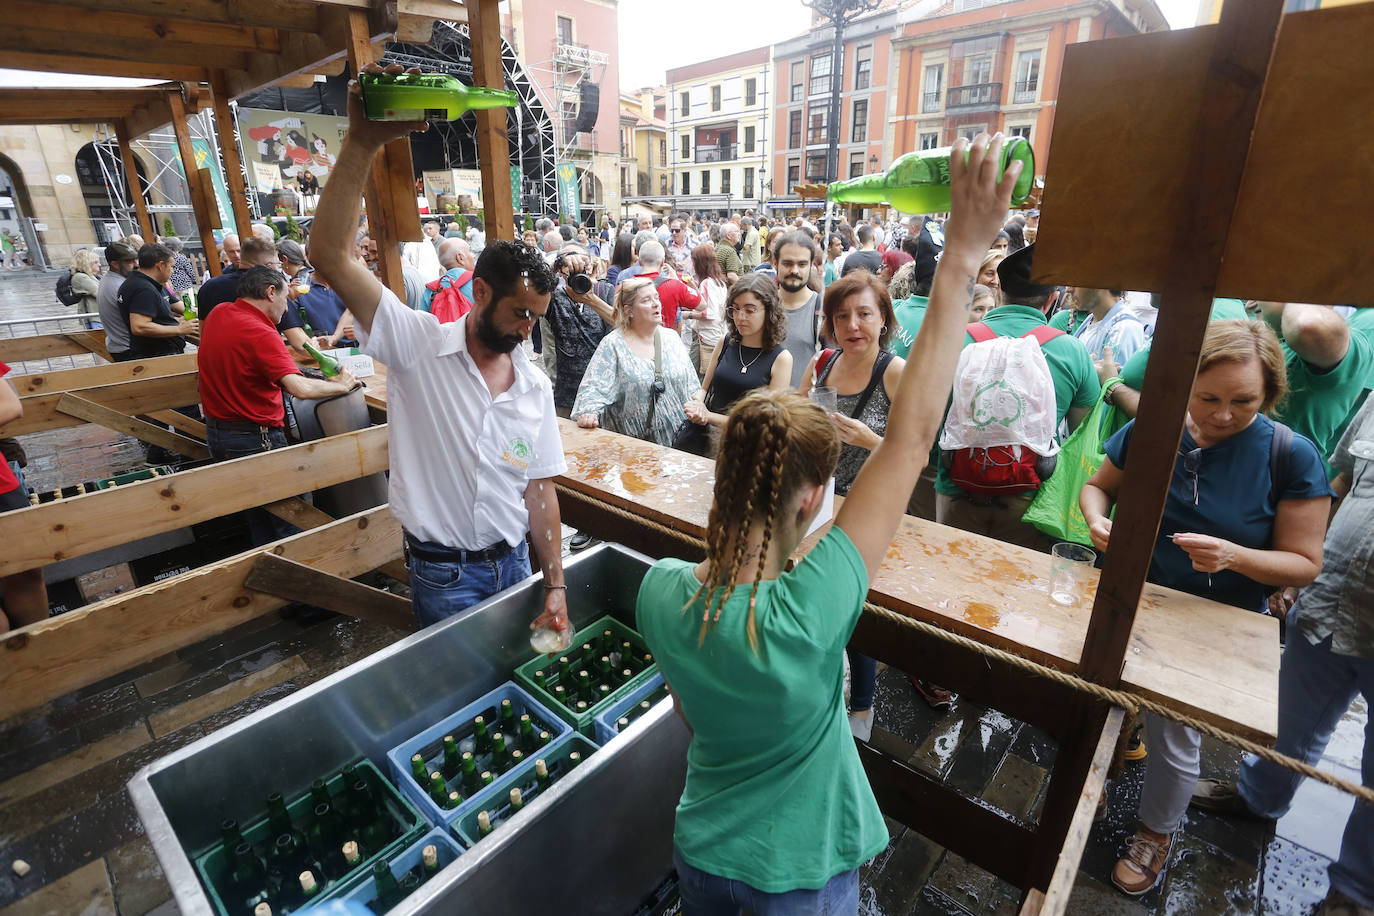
569,66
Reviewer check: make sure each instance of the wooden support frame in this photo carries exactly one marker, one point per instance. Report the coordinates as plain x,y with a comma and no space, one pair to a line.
138,396
73,405
292,581
48,346
126,158
96,376
201,200
229,149
484,27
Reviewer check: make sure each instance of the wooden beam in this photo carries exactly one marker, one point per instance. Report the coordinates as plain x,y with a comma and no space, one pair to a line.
137,26
85,524
224,127
305,516
76,406
59,63
140,396
95,376
37,39
272,14
46,346
493,152
126,157
1233,84
181,423
52,658
292,581
200,194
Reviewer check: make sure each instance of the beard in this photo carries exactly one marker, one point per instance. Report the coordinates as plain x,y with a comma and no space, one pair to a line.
792,284
493,339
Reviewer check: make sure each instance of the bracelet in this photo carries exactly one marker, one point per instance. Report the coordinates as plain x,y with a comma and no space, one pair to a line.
548,587
1111,391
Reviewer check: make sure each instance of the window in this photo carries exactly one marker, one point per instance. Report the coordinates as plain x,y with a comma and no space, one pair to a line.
749,139
969,131
569,121
748,182
863,67
978,70
684,104
818,122
856,164
815,167
858,130
930,91
930,140
793,174
798,77
705,181
715,98
820,75
725,181
686,183
565,33
1022,132
1027,76
751,92
794,125
663,152
686,140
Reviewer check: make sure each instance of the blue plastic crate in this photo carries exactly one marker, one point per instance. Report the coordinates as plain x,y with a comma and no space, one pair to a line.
496,799
429,743
606,727
364,890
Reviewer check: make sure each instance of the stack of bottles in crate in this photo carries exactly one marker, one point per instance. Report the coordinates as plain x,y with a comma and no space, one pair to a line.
586,675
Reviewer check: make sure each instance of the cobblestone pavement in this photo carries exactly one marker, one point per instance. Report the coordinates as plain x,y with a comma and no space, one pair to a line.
63,767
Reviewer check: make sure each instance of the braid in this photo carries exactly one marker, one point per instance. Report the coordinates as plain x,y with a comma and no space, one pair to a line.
779,438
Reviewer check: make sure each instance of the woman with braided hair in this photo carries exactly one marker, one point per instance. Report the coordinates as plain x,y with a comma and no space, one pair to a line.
777,816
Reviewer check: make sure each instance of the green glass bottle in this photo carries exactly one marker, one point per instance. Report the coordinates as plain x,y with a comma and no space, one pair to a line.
918,182
329,366
452,761
305,323
437,791
517,800
324,838
230,834
560,693
540,680
470,779
453,800
622,723
248,875
625,674
483,823
500,758
351,855
517,757
574,759
507,721
487,778
188,305
425,97
310,888
419,770
544,739
319,793
429,861
388,891
480,735
541,773
603,691
584,684
526,739
564,666
263,909
278,820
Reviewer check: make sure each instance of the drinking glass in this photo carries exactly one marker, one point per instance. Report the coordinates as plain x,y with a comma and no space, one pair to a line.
1071,567
825,396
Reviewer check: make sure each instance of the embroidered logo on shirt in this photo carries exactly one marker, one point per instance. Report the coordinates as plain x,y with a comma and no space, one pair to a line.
518,453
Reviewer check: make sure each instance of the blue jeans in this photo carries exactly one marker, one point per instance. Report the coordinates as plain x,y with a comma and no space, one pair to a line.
1316,687
705,894
438,590
263,526
863,678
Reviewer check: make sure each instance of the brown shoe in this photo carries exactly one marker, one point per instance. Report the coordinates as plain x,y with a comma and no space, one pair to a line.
1138,870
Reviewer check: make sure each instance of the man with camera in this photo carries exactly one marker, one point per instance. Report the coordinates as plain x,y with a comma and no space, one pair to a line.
579,315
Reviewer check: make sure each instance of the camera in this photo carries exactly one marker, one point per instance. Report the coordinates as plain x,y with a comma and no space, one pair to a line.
580,284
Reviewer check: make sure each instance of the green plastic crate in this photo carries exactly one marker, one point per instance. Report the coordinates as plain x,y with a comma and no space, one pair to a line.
213,867
585,722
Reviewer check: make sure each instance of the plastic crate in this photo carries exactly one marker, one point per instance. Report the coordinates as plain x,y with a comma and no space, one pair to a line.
496,800
606,727
429,744
213,868
120,480
585,722
364,889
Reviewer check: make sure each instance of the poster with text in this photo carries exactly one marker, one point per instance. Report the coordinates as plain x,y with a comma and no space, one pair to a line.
301,146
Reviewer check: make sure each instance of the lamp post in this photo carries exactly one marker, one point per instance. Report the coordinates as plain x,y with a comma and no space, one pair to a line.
838,13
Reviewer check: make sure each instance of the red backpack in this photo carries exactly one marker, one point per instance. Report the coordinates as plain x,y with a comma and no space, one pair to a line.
449,304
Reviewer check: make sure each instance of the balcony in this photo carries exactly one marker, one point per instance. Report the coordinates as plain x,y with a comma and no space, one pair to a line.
977,95
930,101
1025,91
717,153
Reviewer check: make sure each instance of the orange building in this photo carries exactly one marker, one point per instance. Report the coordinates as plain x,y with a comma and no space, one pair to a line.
964,66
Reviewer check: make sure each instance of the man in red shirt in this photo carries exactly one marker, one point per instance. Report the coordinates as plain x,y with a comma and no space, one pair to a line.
673,294
244,367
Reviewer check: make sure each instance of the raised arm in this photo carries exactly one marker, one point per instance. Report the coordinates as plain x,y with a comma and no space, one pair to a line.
332,237
869,514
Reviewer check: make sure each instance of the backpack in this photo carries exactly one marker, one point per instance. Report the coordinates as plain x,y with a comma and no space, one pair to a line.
64,289
449,304
1002,417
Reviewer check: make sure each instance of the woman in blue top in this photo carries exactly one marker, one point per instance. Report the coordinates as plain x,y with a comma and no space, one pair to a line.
777,814
1229,533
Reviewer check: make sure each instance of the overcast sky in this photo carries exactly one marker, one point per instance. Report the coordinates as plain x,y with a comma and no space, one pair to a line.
652,42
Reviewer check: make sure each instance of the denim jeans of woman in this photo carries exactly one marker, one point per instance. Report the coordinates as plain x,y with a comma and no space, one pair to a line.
438,590
705,894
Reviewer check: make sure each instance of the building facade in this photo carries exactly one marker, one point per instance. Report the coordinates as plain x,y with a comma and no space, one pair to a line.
983,65
644,172
719,114
802,71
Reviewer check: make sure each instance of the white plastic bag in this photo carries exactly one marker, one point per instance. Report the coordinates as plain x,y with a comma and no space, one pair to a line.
1003,395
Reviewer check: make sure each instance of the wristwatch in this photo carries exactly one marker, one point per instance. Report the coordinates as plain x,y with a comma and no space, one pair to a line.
1111,391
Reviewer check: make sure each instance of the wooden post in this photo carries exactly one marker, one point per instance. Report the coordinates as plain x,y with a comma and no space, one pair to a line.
1230,101
493,152
200,199
126,156
229,149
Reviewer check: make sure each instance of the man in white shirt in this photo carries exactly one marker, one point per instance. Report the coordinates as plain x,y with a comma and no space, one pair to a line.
474,444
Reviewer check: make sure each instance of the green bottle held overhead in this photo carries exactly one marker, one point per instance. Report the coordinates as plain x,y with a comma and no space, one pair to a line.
425,97
329,366
918,182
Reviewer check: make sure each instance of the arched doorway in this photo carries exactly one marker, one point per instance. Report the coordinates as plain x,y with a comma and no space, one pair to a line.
16,208
96,174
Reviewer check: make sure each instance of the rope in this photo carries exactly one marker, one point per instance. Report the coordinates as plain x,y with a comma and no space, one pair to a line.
1121,698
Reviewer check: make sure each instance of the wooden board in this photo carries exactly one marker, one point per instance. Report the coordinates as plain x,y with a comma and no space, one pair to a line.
47,660
46,346
73,405
1201,657
292,581
139,396
97,376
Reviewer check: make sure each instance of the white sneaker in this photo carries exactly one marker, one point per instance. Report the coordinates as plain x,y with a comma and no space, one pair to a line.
861,725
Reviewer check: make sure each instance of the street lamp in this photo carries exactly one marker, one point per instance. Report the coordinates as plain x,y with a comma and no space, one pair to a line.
873,163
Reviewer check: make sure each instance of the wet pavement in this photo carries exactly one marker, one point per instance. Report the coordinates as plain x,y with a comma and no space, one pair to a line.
64,766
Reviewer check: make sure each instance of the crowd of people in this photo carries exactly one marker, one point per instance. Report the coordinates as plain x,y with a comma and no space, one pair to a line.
794,354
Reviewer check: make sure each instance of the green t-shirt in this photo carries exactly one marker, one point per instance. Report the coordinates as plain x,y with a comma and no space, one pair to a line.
1066,319
1071,368
1133,373
1319,403
910,313
775,795
6,242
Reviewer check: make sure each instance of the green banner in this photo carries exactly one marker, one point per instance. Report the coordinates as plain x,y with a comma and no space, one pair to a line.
569,207
206,158
515,185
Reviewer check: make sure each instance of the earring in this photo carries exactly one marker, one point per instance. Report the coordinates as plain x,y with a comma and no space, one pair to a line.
884,330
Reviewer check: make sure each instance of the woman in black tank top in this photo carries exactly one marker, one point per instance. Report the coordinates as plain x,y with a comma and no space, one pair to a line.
750,356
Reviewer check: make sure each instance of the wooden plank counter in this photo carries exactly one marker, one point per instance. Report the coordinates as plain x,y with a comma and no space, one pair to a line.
1214,661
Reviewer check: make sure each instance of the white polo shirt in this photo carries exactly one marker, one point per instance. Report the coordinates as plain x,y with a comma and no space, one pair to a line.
460,460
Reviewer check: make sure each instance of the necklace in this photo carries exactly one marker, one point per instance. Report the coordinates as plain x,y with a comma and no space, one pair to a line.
746,367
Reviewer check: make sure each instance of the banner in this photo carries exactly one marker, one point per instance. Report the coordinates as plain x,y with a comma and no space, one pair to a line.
461,187
569,207
516,183
206,158
300,146
266,176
